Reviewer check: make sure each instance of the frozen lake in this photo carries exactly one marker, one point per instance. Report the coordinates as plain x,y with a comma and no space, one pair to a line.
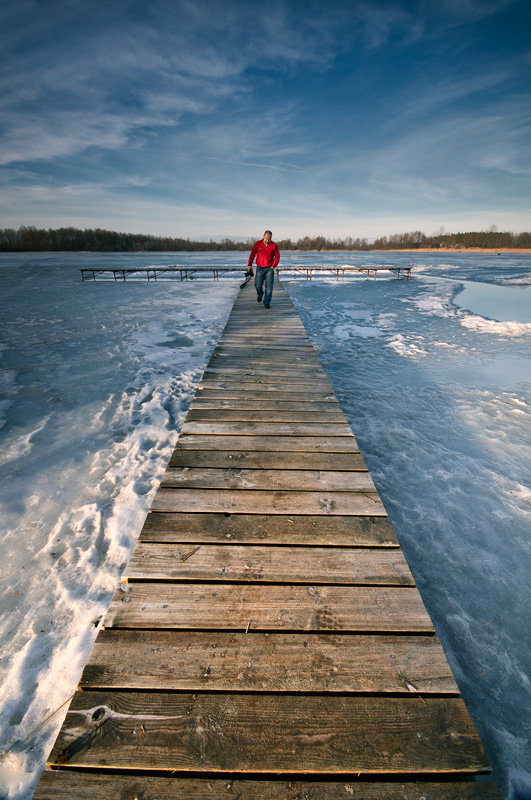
434,375
502,303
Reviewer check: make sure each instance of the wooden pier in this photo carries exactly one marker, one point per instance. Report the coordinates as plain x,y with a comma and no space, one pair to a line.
182,273
268,641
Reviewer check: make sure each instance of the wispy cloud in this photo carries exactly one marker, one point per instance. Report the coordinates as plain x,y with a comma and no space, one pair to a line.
459,12
281,166
63,133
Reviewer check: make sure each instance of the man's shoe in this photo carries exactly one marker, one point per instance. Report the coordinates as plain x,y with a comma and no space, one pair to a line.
266,305
259,298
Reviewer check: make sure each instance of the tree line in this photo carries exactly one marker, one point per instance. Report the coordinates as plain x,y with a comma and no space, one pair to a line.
32,239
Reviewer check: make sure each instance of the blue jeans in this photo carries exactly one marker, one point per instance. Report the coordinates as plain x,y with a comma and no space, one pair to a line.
267,275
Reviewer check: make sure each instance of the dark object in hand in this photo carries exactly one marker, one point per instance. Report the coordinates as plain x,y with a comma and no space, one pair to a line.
249,273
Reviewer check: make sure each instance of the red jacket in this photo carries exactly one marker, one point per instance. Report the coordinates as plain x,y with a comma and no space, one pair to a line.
266,255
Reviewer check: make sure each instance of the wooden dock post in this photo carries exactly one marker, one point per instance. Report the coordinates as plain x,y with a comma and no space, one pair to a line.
268,641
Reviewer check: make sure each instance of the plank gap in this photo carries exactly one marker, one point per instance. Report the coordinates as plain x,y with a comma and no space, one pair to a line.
249,693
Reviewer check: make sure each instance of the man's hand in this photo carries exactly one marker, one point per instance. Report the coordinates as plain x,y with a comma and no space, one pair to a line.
249,273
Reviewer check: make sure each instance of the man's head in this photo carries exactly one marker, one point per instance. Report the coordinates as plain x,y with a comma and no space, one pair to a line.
267,237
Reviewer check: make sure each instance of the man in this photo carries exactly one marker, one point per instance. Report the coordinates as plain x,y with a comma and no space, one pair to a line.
267,258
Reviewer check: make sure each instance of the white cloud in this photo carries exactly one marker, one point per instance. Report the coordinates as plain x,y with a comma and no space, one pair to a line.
63,133
458,12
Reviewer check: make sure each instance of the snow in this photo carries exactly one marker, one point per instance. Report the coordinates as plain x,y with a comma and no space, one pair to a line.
95,381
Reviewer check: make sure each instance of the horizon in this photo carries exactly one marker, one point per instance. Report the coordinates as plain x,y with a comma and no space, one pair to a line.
192,119
245,240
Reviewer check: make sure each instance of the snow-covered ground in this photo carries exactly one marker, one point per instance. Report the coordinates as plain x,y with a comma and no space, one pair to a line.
95,380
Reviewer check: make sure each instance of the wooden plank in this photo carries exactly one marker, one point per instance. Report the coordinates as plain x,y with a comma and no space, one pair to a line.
242,501
211,562
313,444
288,459
253,319
294,343
266,327
247,332
249,528
267,383
82,785
261,662
264,415
310,371
213,732
283,342
269,404
233,343
279,375
304,480
250,350
261,391
268,608
240,338
264,360
244,360
280,331
269,428
282,348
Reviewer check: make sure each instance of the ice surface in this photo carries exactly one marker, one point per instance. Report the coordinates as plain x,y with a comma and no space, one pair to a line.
95,380
510,304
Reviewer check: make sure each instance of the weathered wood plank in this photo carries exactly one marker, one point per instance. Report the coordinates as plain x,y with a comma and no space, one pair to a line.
265,415
285,374
278,344
82,785
269,428
266,383
266,329
232,343
233,389
282,350
268,608
285,344
293,341
242,501
246,360
313,444
261,662
277,341
263,362
288,459
250,350
249,528
271,405
333,565
280,733
304,480
309,371
273,330
260,321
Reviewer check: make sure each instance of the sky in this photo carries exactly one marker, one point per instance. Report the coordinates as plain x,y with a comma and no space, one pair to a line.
220,118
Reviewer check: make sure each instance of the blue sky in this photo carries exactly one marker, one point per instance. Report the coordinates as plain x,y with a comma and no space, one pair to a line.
224,117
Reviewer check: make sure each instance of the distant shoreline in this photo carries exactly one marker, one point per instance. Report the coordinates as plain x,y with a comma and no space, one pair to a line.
445,250
459,250
427,250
